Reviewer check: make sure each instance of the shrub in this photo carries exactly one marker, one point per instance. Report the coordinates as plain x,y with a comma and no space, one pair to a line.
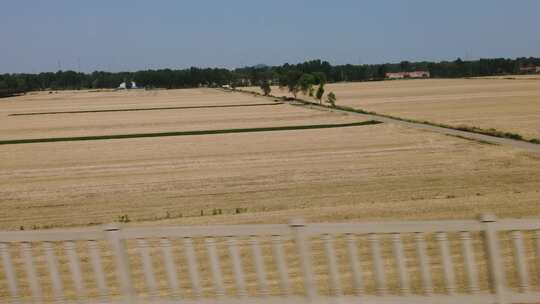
331,99
240,210
320,92
265,87
124,219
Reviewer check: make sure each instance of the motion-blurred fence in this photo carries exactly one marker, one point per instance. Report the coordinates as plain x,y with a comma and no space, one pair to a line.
454,261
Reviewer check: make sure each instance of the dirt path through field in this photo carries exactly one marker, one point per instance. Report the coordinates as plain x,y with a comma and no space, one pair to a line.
453,132
469,135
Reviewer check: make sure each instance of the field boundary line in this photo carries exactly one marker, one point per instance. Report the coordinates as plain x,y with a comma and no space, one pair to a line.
473,133
149,109
187,133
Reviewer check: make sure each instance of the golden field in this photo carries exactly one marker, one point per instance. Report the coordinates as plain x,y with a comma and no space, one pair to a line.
509,105
377,171
270,114
373,172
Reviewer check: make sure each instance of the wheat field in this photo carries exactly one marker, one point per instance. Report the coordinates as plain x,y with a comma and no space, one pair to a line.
366,172
509,105
372,172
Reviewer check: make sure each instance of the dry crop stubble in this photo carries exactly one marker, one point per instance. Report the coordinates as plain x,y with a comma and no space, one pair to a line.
379,171
357,173
508,105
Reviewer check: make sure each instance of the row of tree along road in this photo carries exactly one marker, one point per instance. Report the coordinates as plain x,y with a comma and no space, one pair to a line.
309,84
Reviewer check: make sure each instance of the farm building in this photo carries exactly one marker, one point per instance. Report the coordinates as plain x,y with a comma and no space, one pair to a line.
395,75
418,74
415,74
527,69
125,85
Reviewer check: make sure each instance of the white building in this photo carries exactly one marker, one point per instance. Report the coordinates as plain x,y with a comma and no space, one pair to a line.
124,86
395,75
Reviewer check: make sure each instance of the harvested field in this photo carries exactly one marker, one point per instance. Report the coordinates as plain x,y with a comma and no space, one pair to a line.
523,76
509,105
355,172
370,172
107,99
367,172
188,133
168,120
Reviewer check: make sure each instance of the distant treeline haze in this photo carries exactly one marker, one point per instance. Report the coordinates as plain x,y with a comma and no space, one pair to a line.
195,77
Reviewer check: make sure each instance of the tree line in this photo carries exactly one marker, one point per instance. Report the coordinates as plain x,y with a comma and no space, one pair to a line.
278,75
296,81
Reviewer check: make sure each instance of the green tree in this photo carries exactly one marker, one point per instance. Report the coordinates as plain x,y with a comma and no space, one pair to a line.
331,99
265,87
287,75
320,92
306,83
405,66
22,85
291,80
381,71
320,78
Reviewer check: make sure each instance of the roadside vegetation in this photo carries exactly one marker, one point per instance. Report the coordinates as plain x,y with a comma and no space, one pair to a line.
471,129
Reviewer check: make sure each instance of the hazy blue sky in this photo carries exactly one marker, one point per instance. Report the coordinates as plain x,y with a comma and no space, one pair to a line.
130,35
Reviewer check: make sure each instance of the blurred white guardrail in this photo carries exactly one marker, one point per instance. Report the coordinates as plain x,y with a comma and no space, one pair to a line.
23,245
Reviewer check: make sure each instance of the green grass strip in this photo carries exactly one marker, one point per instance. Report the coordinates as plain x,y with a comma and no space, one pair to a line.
150,109
186,133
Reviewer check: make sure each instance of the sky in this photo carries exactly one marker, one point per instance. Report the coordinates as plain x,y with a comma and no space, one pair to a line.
47,35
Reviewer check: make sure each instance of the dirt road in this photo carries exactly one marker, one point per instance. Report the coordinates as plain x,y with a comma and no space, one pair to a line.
469,135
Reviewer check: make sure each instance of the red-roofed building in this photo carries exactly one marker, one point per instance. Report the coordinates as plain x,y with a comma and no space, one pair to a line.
527,69
415,74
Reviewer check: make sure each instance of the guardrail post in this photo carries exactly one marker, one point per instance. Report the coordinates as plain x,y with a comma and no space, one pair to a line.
123,272
298,227
496,269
